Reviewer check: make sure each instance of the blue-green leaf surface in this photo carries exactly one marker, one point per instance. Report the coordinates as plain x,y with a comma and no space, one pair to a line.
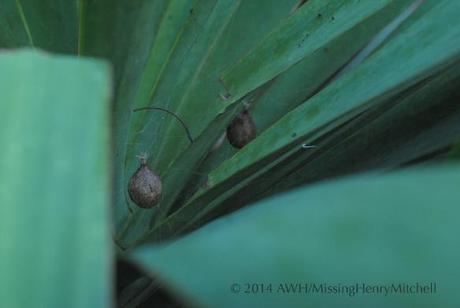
55,244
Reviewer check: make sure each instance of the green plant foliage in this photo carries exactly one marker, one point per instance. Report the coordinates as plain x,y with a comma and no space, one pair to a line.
377,79
407,129
210,39
197,93
425,47
55,246
367,229
334,87
292,87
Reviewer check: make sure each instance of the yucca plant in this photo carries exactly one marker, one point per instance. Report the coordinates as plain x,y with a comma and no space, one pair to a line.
333,88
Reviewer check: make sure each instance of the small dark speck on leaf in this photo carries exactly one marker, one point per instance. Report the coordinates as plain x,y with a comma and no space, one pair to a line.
294,135
332,18
320,15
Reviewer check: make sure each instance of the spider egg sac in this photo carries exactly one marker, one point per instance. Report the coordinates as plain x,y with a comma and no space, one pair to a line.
241,130
145,186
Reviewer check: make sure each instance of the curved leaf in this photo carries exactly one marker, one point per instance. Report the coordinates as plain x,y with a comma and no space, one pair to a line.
395,229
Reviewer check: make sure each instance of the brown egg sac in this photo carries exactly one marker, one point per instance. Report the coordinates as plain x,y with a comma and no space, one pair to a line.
145,186
242,130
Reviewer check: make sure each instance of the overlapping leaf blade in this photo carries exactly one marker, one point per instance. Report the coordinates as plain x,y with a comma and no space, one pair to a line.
379,230
55,246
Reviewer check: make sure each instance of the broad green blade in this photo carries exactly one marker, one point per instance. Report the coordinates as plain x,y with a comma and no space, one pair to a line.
398,229
53,25
55,245
423,48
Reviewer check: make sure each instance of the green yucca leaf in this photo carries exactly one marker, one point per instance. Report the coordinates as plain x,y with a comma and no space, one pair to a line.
55,246
369,229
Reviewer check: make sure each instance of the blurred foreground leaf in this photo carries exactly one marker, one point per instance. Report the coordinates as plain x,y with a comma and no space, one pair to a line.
55,246
397,228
